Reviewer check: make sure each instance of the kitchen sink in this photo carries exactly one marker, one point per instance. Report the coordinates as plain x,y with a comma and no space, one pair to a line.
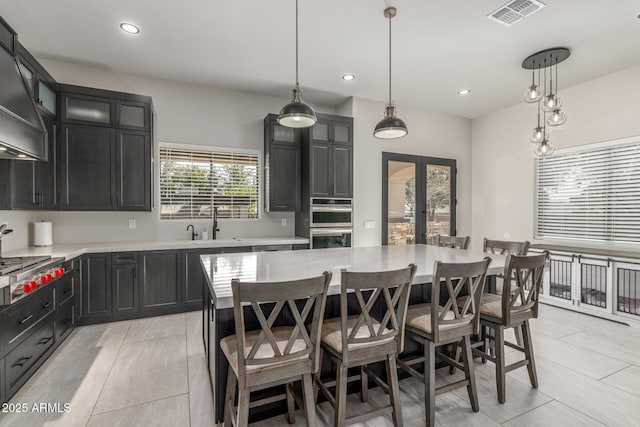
210,242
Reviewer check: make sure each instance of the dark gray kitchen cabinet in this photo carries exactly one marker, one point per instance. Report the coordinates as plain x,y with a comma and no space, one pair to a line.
42,85
133,170
80,108
194,279
282,167
160,280
32,185
3,396
327,152
125,288
97,302
87,168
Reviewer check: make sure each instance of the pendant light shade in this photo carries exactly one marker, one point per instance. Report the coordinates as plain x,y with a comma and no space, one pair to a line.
390,126
556,118
538,134
297,114
544,149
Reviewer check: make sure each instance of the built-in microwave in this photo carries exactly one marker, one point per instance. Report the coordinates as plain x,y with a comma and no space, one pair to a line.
331,212
324,238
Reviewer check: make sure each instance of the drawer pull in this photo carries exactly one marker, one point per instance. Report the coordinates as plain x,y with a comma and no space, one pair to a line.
66,291
47,305
45,340
66,321
20,363
26,319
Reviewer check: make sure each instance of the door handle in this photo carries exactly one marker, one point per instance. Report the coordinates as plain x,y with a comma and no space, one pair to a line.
20,363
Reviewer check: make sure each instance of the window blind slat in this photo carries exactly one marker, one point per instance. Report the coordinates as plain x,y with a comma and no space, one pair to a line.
592,194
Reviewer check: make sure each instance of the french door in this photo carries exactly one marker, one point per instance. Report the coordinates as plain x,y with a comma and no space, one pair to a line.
418,198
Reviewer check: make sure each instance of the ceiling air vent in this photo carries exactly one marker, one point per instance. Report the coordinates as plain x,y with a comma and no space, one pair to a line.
515,11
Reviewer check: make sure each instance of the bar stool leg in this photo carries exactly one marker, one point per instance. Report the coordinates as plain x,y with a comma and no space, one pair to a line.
243,408
230,397
430,382
485,342
309,402
455,355
364,384
394,389
469,373
501,377
291,404
341,396
528,352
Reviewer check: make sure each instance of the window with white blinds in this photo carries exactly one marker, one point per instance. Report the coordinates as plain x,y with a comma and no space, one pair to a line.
590,194
193,182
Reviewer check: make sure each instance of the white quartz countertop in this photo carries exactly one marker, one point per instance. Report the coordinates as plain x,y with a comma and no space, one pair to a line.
73,250
293,265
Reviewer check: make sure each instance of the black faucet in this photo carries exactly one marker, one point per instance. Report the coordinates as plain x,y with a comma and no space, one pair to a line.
215,223
193,232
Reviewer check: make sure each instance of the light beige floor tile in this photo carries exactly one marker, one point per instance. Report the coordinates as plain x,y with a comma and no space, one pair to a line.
195,345
596,399
145,371
550,328
156,327
581,360
81,395
171,412
553,413
200,395
627,380
622,345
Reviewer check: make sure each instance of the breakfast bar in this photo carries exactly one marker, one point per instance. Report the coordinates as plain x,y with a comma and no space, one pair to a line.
217,314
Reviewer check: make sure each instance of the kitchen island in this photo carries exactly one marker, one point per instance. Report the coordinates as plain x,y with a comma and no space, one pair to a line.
217,314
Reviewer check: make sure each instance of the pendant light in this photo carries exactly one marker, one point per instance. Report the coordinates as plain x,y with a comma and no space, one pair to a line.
552,101
534,92
390,126
297,114
539,133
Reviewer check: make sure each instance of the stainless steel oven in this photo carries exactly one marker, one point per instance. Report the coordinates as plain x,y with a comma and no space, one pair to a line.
323,238
330,212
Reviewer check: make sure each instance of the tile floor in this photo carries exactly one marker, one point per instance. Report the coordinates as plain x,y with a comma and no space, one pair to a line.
152,372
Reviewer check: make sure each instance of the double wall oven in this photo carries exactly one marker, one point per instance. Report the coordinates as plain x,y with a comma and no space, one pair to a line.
330,223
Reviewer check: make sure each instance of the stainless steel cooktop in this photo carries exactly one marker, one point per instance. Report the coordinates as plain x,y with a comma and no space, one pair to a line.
14,264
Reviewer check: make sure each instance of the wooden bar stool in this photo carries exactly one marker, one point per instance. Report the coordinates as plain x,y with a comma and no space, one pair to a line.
451,241
363,338
523,275
434,325
271,355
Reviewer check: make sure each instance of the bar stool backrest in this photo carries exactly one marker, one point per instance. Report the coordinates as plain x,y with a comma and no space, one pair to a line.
454,242
310,294
525,273
464,306
505,247
390,295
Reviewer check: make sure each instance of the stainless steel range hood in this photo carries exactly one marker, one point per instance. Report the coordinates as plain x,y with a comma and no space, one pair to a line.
22,132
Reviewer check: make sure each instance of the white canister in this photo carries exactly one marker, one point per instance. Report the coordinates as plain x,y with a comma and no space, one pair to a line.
205,235
42,234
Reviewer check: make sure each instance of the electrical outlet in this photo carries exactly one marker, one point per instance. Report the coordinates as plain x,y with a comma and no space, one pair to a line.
283,222
369,223
132,224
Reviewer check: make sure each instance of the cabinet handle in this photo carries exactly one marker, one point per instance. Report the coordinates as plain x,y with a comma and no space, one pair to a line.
66,291
66,321
22,361
26,319
45,340
47,305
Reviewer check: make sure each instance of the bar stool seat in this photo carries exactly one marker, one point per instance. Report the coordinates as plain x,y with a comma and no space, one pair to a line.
229,346
419,317
491,305
332,334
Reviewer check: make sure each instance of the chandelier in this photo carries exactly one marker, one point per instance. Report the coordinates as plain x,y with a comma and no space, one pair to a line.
544,93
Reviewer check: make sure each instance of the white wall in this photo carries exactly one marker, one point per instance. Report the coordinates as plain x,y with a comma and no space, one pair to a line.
185,113
503,164
430,134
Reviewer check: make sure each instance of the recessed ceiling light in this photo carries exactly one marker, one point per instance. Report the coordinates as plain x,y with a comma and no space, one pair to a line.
349,77
3,148
463,92
22,156
129,28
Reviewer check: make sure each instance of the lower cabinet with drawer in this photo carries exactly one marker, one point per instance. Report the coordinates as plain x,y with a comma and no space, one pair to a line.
25,314
65,320
25,358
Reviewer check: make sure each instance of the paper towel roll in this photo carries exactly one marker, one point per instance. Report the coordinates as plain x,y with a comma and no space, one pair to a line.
42,234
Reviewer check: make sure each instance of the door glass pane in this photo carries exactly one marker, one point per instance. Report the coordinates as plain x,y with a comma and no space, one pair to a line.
283,133
132,115
341,133
438,201
47,97
89,111
401,184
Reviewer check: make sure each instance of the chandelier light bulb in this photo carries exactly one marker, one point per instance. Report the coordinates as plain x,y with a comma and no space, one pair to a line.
538,134
551,102
556,118
533,94
544,149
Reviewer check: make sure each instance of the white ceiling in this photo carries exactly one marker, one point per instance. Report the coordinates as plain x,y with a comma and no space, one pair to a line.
440,46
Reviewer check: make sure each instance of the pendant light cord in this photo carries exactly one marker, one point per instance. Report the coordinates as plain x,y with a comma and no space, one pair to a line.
390,17
297,82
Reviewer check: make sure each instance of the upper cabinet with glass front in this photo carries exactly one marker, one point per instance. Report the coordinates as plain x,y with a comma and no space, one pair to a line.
87,109
133,115
42,86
